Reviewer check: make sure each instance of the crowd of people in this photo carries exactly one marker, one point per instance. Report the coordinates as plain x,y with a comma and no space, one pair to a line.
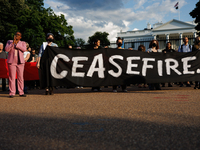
18,52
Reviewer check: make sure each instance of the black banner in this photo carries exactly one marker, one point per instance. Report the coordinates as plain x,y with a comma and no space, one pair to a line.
104,67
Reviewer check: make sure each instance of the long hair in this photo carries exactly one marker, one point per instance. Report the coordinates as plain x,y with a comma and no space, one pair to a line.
95,41
118,39
170,45
196,39
151,43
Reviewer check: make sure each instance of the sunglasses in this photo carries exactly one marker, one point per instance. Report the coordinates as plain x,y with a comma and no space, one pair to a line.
18,34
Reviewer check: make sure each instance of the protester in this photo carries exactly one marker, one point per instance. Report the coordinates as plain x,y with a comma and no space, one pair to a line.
168,49
119,46
3,55
196,47
142,49
15,61
154,48
185,48
27,52
33,56
97,43
50,39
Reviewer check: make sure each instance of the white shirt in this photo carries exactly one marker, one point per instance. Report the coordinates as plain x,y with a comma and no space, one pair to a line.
26,53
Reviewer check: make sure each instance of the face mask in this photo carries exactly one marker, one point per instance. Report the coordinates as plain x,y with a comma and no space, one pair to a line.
140,49
50,40
154,44
119,44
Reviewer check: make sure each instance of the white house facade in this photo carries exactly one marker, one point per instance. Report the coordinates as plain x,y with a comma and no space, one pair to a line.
173,31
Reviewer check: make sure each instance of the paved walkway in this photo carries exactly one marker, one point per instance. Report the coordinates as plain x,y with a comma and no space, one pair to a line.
81,119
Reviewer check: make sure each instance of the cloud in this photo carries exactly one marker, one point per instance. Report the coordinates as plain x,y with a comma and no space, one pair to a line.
89,16
93,4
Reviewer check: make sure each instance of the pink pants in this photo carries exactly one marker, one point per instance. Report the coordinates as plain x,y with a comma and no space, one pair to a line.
12,75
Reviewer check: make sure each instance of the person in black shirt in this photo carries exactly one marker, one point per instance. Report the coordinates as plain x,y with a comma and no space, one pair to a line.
168,49
97,43
119,46
196,47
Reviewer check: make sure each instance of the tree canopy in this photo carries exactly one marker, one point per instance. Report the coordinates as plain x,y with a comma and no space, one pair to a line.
79,42
34,22
195,14
102,36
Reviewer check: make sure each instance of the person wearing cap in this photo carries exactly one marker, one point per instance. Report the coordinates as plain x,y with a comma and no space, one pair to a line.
50,39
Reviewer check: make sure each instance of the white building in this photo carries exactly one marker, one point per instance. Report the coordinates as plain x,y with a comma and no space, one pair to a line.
173,31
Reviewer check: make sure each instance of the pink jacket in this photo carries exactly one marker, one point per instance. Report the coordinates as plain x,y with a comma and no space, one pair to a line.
10,47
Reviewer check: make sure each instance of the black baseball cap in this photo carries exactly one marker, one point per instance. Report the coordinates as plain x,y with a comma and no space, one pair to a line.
48,34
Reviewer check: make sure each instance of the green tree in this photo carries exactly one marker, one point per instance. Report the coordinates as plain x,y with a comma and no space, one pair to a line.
195,14
34,22
102,36
79,42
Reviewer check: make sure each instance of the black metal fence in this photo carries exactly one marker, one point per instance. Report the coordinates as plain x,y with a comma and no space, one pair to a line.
176,42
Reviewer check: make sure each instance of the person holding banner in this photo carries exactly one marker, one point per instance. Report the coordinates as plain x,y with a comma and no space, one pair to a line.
119,46
186,47
196,47
154,48
15,49
168,49
97,43
50,39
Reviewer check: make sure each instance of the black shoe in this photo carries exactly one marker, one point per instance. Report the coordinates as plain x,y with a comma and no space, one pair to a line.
163,84
11,96
169,85
46,92
51,92
196,87
188,85
22,95
181,85
151,87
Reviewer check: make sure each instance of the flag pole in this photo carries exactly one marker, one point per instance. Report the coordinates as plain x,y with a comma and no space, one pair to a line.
179,14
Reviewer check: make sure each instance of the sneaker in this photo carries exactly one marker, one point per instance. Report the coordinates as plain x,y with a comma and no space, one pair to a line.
23,95
125,90
95,90
115,91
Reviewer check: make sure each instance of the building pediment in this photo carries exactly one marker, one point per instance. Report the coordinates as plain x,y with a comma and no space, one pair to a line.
174,25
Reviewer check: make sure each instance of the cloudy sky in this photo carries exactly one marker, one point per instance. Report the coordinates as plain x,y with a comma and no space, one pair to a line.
89,16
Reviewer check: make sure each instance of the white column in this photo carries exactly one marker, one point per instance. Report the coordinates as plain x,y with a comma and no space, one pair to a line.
154,37
180,39
167,38
194,34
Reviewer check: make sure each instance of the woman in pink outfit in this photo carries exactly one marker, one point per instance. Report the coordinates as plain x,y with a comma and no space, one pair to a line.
15,49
